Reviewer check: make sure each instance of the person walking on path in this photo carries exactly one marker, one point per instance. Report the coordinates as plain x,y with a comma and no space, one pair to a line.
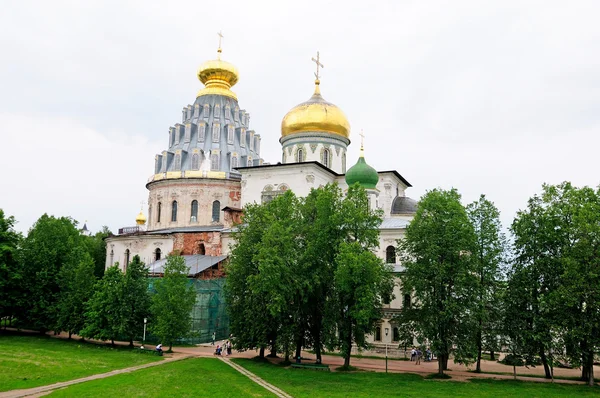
418,356
214,337
413,353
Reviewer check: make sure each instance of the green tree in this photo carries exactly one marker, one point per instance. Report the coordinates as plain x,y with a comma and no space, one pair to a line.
173,302
96,246
45,249
76,282
488,257
136,299
104,313
437,253
10,268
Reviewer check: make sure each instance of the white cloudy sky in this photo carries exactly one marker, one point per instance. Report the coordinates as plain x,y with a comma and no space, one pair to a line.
493,97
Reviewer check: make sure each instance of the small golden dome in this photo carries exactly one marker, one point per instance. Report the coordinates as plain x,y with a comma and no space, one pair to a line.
218,77
316,114
140,219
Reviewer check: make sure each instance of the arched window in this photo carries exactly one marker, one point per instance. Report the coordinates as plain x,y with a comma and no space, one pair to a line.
249,161
201,249
230,134
406,301
112,257
174,211
390,255
194,213
378,333
234,162
344,163
300,155
195,161
127,254
201,131
216,211
216,132
158,209
157,254
214,162
326,157
395,334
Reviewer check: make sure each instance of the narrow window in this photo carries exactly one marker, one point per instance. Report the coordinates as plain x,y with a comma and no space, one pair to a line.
195,161
201,249
390,255
158,209
230,134
194,213
214,162
216,211
178,162
236,114
217,113
157,254
188,133
201,132
300,155
257,145
127,253
378,333
174,211
344,163
243,138
326,159
396,334
234,162
112,257
227,111
249,161
406,302
206,111
215,132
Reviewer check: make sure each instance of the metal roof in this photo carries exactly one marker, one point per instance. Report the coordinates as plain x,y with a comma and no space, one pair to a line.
196,263
207,228
394,223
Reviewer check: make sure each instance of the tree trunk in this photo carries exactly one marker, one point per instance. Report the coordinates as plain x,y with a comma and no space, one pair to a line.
492,355
584,372
478,367
515,372
545,363
131,342
298,348
261,353
170,346
112,342
591,371
440,364
318,346
70,335
348,348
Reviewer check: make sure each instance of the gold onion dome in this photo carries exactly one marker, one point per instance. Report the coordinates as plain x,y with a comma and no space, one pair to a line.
316,114
218,77
140,219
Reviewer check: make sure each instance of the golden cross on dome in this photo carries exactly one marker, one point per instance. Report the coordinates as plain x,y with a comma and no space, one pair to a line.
362,139
142,203
220,37
319,64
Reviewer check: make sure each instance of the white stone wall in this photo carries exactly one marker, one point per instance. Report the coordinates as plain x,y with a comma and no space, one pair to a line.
205,191
299,178
389,187
313,151
141,245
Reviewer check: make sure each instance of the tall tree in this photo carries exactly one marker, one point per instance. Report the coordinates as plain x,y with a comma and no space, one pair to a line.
10,268
96,246
437,253
104,313
45,249
173,302
136,299
76,282
488,257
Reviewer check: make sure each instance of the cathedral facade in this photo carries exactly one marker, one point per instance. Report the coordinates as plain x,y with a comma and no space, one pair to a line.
212,167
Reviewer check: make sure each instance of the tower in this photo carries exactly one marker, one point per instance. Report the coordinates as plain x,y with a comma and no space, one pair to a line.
316,130
364,175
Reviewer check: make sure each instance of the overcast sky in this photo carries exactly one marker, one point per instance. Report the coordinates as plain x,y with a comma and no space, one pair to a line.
493,97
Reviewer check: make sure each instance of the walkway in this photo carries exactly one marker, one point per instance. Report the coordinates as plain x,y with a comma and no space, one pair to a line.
256,379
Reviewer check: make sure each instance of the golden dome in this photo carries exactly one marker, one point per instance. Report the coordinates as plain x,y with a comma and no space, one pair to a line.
140,219
316,114
218,77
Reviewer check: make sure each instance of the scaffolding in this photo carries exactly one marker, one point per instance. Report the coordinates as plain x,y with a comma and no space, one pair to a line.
209,314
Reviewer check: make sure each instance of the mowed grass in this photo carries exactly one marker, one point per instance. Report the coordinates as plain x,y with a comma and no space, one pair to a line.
310,383
198,377
32,361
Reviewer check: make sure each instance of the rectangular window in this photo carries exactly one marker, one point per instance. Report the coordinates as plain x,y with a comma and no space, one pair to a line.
201,131
216,132
196,110
177,133
227,112
206,111
243,138
230,132
188,133
217,112
236,114
251,141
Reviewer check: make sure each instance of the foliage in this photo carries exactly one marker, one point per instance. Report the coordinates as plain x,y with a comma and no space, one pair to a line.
172,302
104,314
96,247
32,361
488,256
45,249
10,267
136,299
76,282
440,271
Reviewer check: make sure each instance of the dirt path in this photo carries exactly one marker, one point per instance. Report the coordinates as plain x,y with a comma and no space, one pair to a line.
256,379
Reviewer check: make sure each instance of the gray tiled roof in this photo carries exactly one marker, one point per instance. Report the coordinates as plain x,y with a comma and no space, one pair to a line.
404,205
196,263
393,223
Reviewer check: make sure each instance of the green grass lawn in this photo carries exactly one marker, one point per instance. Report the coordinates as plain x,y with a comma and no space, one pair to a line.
31,361
310,383
198,377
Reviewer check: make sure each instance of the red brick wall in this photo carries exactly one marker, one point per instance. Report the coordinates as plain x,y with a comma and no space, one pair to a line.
189,243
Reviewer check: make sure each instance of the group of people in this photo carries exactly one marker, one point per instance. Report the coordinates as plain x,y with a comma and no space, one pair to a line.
416,354
226,348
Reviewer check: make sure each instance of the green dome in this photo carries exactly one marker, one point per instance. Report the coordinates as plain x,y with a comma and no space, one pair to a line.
362,173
